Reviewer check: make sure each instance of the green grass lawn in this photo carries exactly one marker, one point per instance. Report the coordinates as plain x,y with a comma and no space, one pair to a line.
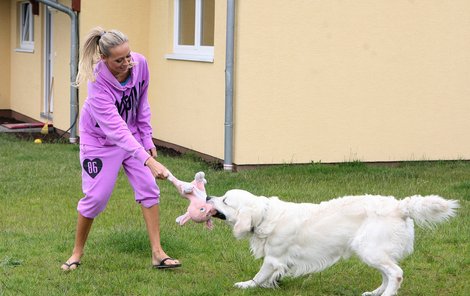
40,185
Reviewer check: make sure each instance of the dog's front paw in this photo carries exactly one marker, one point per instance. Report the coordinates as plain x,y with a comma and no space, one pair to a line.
245,285
369,294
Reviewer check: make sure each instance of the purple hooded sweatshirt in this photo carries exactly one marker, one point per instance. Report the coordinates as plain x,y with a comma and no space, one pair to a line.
118,115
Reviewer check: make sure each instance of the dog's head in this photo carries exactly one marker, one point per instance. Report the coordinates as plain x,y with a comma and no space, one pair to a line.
240,209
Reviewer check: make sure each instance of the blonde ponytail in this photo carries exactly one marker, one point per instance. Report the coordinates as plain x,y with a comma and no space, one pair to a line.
97,42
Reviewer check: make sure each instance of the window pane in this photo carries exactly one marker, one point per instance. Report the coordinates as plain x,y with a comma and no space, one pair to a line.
207,23
26,25
187,22
24,20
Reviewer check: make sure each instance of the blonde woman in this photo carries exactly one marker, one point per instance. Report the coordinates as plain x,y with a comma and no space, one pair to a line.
115,131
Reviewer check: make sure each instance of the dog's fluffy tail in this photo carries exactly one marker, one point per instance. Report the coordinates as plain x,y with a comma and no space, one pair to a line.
429,210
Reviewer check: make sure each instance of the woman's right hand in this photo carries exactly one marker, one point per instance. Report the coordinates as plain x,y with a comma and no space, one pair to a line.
158,170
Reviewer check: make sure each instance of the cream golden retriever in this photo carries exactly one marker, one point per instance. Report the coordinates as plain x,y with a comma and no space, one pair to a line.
300,238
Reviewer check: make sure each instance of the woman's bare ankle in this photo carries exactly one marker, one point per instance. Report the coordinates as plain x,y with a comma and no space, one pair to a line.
76,257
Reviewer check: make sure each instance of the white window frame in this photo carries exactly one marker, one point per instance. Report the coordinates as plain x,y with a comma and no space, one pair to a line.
197,52
25,23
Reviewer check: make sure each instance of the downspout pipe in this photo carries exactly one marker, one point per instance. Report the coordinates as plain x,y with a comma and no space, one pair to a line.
229,53
73,64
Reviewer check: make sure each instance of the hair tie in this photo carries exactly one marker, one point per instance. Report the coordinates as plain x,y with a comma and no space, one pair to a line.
99,38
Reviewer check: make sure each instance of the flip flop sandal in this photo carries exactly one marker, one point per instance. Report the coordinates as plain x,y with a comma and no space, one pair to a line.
163,265
76,263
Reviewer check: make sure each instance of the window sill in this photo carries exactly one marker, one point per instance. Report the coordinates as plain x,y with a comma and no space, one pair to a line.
29,50
190,57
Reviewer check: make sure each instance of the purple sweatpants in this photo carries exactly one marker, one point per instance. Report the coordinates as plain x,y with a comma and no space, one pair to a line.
100,168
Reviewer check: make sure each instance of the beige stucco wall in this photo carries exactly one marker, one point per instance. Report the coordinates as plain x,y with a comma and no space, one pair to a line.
327,81
61,36
130,17
5,53
368,80
187,98
26,89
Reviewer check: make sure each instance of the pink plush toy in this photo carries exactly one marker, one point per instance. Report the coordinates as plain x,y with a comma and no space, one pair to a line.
198,210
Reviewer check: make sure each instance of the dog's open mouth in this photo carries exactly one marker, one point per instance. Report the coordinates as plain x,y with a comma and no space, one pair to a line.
219,215
214,213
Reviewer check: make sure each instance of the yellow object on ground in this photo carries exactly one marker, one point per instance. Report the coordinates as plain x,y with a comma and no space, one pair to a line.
37,141
45,129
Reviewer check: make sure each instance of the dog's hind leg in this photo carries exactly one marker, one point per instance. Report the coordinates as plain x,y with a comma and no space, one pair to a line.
392,276
379,290
381,243
395,278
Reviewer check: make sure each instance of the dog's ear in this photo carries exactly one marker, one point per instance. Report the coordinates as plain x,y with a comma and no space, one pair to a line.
243,224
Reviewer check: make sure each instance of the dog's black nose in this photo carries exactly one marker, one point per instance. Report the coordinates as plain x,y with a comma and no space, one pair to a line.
219,215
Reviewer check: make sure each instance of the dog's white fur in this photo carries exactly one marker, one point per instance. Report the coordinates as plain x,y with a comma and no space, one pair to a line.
300,238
